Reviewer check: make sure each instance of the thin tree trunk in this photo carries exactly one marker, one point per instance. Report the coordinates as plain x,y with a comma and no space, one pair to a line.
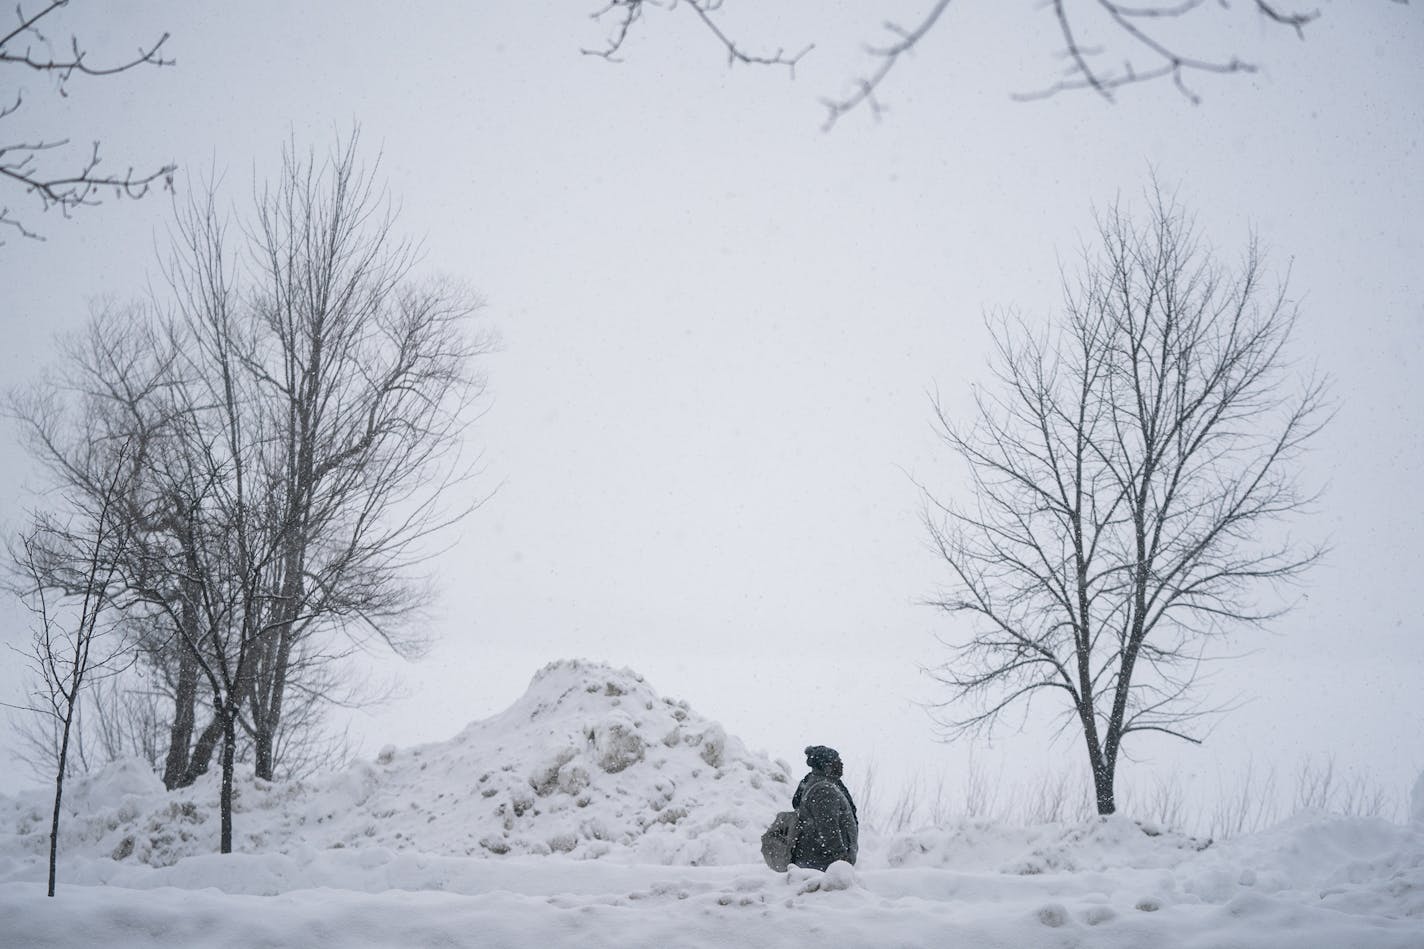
58,797
180,734
1101,765
1103,786
203,752
229,731
258,703
266,738
268,718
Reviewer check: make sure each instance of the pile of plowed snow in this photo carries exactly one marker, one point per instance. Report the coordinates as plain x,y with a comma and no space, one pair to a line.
590,762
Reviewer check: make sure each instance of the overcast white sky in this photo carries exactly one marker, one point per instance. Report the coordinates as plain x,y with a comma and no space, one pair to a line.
721,324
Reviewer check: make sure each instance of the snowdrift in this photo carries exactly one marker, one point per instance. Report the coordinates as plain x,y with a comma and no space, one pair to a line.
594,811
589,762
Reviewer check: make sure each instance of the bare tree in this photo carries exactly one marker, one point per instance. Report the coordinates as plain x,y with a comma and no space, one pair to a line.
324,396
300,403
112,385
1127,468
365,377
205,561
68,568
36,165
1106,44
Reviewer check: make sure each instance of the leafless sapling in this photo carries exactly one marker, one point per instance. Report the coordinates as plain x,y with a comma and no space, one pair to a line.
66,567
113,384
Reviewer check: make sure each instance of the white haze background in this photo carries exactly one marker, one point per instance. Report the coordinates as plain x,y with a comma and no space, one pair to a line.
721,327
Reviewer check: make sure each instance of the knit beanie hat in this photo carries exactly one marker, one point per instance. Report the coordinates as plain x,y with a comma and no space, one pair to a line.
819,757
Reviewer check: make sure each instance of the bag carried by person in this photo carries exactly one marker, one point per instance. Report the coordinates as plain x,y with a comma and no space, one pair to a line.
778,841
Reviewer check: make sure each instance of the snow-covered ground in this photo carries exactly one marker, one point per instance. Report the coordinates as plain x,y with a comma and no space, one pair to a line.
594,812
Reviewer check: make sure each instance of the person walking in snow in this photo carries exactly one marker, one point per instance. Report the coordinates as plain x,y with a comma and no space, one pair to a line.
827,825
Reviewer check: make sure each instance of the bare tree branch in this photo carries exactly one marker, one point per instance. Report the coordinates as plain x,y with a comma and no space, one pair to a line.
888,56
29,164
1163,58
626,13
1132,44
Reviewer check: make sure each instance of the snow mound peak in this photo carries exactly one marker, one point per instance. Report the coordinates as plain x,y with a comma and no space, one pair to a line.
589,762
592,761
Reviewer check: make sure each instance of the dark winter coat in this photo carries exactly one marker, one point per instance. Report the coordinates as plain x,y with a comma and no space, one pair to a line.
826,826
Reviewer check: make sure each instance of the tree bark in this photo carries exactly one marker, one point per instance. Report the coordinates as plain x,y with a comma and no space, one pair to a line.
265,740
1103,787
202,752
1101,768
229,736
58,797
180,734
